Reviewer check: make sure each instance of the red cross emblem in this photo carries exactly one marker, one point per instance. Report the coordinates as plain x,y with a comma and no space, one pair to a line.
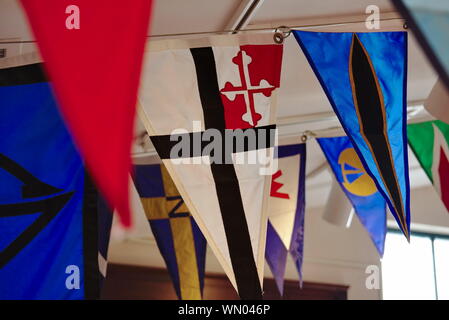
247,89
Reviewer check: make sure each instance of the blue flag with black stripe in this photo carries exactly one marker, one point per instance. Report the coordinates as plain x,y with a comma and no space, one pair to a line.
358,186
50,241
364,77
180,241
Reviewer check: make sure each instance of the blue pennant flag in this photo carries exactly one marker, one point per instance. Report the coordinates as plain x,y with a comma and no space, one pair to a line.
429,21
364,78
178,237
285,232
368,203
51,246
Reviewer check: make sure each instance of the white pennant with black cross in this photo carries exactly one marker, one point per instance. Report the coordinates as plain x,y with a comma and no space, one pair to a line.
225,83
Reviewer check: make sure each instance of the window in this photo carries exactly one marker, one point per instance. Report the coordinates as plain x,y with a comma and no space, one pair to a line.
419,270
441,247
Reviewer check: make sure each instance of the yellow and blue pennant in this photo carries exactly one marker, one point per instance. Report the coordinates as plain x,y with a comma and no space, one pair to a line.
178,237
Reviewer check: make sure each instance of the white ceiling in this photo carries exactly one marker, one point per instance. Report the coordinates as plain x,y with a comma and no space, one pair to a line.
290,10
177,16
300,94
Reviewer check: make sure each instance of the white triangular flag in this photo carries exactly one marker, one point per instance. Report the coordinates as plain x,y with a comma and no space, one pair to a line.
202,90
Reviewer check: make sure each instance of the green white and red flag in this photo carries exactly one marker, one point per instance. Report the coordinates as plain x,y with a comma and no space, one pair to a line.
429,141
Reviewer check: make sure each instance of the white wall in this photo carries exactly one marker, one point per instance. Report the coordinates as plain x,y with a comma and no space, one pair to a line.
337,255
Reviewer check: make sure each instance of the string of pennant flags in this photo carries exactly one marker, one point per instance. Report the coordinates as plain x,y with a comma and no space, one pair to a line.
416,112
195,98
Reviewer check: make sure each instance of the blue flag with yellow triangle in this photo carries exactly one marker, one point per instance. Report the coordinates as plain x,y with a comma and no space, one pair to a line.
180,241
368,203
364,77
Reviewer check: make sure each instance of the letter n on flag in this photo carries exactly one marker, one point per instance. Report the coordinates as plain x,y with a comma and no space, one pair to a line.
178,237
364,76
206,86
95,71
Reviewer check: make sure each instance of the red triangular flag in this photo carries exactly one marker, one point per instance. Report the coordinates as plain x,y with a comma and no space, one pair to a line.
93,54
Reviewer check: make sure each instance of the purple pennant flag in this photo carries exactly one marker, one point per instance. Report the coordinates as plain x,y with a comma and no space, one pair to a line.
285,231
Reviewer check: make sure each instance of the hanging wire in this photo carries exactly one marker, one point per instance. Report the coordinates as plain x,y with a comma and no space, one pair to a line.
310,26
281,29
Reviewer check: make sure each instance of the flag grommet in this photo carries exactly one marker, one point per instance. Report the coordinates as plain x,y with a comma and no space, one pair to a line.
280,33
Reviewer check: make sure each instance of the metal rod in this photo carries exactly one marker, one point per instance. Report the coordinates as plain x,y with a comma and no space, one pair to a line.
434,265
310,26
245,19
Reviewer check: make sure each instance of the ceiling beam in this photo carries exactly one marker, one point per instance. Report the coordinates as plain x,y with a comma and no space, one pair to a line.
243,15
